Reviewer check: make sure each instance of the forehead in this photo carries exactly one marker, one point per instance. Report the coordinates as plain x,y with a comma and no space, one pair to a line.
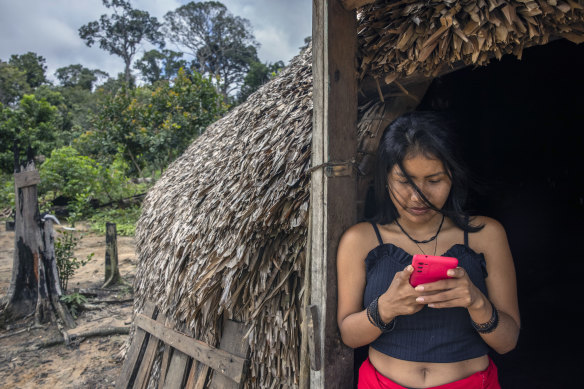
420,165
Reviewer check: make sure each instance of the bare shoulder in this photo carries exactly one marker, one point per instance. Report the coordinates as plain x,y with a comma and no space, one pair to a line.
358,240
490,240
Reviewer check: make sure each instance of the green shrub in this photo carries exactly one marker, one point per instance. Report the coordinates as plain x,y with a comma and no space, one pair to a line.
67,263
72,176
6,191
74,301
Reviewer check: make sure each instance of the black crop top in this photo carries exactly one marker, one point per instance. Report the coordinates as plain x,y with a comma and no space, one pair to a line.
430,335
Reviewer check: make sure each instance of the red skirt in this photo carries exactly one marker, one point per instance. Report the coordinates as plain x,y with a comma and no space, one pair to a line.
369,377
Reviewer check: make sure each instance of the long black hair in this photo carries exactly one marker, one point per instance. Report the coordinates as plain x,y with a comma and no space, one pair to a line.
429,134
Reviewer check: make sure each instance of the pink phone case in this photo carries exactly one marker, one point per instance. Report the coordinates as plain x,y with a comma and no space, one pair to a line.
430,268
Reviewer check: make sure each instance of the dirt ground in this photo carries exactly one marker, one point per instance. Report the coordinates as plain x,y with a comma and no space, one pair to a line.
92,362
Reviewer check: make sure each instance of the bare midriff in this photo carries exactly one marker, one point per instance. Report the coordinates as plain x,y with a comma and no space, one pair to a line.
424,374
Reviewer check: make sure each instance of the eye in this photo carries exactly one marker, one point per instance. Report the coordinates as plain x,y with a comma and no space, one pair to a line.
434,181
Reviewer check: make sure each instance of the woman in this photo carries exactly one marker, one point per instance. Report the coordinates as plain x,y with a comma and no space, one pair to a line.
436,334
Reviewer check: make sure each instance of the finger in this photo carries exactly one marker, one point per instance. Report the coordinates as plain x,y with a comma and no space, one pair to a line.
435,286
406,273
458,272
447,304
438,297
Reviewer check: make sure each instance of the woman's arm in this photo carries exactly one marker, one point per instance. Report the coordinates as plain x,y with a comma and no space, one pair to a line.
501,285
356,329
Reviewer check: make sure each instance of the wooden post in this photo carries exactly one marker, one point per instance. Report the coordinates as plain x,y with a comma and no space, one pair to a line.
332,196
112,271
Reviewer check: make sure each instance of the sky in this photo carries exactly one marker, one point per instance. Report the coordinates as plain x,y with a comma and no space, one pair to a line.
50,29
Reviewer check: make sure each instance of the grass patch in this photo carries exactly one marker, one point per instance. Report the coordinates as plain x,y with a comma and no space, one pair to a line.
124,218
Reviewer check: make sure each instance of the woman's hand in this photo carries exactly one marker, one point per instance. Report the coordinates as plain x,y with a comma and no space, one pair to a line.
400,297
458,291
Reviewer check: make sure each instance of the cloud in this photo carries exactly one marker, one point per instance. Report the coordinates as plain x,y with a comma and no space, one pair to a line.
50,29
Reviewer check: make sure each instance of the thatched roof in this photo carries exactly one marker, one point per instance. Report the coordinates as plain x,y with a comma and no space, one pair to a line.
400,38
223,232
224,229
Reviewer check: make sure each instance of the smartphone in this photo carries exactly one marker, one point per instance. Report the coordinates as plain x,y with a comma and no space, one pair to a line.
430,268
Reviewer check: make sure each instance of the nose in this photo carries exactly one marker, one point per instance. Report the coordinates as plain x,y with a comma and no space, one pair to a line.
414,195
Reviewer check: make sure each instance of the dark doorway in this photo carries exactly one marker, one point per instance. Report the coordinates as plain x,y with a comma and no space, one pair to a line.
522,125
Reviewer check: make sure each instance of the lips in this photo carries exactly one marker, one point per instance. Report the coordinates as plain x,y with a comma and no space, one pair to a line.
419,210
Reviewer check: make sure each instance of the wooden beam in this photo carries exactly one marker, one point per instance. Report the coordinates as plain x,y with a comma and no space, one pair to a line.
224,362
351,5
332,196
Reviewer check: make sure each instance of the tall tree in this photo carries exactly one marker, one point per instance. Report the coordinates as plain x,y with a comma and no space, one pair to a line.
160,65
79,76
13,84
33,65
122,32
223,45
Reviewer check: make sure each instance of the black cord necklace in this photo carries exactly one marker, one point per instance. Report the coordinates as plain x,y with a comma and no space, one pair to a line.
421,241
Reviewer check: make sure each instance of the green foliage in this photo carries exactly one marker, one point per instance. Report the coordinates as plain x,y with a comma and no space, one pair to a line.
6,191
258,74
72,176
122,32
35,124
13,84
160,65
85,182
74,301
222,44
151,126
33,66
67,263
124,218
78,76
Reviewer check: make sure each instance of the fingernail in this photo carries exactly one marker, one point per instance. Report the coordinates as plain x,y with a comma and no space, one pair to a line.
419,288
420,299
450,273
410,268
431,305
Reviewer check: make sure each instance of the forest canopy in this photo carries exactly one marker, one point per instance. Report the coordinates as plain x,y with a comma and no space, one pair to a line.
83,125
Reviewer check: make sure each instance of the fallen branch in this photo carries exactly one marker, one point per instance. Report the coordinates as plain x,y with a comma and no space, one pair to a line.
104,331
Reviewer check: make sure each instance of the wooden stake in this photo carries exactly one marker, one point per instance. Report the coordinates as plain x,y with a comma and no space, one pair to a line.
112,272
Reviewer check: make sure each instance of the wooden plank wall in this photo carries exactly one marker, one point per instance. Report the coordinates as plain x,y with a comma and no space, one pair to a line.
332,198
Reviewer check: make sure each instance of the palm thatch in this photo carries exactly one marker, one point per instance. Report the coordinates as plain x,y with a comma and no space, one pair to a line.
400,38
223,232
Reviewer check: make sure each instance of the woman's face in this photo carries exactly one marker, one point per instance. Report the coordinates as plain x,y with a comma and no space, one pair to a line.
430,177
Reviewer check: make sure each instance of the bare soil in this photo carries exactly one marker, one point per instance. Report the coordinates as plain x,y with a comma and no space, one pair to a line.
92,362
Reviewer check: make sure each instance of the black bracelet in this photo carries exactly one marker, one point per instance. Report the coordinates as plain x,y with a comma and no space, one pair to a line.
375,318
489,326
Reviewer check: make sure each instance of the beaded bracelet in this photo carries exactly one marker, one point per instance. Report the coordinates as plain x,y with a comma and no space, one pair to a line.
375,318
489,326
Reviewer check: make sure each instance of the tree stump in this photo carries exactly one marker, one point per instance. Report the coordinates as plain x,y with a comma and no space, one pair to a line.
34,287
112,271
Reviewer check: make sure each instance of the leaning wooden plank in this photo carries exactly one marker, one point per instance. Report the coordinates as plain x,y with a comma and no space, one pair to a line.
226,363
232,341
131,361
200,384
148,360
192,375
175,377
164,365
